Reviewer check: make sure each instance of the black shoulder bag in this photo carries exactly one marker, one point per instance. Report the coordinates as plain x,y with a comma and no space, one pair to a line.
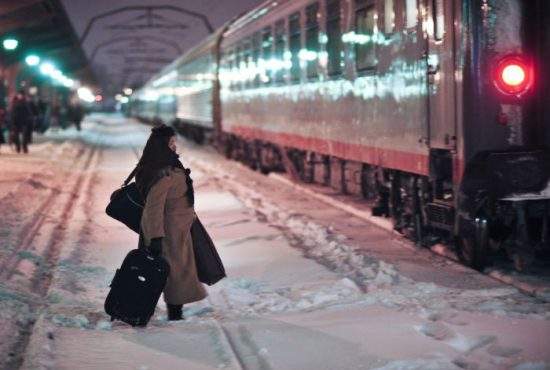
126,204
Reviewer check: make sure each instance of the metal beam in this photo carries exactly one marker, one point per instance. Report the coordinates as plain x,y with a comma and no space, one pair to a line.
124,9
135,38
147,60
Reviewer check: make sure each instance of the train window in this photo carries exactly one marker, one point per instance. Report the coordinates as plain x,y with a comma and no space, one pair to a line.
279,51
365,24
389,16
411,13
334,40
439,20
294,45
229,68
246,63
237,69
312,39
267,42
256,48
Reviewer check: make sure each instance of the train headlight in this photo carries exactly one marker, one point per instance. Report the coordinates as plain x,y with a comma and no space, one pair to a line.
513,76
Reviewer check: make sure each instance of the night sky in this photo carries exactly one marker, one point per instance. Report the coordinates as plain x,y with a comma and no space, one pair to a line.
126,52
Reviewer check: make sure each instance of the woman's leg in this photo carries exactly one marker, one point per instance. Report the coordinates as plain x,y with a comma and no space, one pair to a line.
174,311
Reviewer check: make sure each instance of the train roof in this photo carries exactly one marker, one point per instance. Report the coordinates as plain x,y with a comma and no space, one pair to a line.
204,47
208,44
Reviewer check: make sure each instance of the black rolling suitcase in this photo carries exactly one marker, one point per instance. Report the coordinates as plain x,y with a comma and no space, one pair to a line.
136,288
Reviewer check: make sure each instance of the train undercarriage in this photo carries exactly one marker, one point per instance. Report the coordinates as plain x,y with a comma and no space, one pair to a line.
421,208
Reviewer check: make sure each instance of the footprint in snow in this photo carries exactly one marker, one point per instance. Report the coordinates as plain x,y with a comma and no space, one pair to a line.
436,330
502,351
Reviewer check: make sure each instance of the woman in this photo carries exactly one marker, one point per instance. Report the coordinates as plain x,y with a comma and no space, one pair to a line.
167,217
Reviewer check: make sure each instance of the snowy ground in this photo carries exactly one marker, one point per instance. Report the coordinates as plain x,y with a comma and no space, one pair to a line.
309,286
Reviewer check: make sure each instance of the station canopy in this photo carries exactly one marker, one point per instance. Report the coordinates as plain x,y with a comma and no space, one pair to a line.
43,28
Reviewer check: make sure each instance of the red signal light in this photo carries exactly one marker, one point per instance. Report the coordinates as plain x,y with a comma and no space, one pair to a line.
513,75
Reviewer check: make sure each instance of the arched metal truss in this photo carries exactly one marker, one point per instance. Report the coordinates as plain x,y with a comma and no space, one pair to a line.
124,9
160,40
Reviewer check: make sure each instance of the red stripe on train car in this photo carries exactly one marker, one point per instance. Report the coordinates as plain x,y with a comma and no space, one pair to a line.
389,158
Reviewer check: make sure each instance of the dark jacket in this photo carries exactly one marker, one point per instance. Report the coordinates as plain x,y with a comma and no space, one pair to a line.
21,114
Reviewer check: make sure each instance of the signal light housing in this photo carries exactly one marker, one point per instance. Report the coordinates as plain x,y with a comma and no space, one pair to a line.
513,76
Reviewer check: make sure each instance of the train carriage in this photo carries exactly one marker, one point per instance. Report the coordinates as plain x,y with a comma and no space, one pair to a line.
435,110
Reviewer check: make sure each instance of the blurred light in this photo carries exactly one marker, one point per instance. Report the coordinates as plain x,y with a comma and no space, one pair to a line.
33,90
67,82
128,91
10,44
57,74
32,60
118,97
47,68
85,94
98,98
124,100
513,75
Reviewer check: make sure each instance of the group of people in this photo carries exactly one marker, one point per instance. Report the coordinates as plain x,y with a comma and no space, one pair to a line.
26,115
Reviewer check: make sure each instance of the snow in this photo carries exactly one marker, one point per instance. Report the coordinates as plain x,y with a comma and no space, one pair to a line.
299,294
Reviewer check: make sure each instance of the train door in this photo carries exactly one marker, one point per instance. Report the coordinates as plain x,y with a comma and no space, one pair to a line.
441,75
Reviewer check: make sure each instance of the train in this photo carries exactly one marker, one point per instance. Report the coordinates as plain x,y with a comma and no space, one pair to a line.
436,112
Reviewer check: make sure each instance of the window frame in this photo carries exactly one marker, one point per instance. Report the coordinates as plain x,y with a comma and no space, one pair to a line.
438,18
312,31
267,31
329,19
393,16
256,49
364,6
406,26
295,36
279,39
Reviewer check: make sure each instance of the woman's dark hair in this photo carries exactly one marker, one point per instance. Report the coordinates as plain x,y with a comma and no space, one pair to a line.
156,151
156,157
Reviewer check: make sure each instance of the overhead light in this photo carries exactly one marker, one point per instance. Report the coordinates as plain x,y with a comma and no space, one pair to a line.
47,68
128,91
10,44
57,74
32,60
67,82
85,94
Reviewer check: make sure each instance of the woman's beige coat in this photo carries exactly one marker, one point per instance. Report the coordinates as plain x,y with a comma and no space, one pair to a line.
168,214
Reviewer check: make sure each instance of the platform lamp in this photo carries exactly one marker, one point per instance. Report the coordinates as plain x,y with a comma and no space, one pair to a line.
10,43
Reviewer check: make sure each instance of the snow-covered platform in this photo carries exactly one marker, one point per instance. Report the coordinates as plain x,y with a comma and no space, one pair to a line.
309,285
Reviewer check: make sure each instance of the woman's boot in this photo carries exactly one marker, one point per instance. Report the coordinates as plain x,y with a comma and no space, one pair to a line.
174,312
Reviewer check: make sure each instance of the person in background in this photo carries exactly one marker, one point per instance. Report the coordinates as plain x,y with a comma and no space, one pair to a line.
42,114
21,122
2,126
54,115
76,114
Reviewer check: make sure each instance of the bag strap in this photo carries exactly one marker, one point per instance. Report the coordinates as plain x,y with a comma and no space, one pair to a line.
130,176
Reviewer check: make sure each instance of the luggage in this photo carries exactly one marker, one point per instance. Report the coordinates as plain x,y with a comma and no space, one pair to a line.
136,288
126,205
210,268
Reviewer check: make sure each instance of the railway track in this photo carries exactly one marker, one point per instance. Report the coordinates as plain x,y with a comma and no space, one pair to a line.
45,239
29,230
